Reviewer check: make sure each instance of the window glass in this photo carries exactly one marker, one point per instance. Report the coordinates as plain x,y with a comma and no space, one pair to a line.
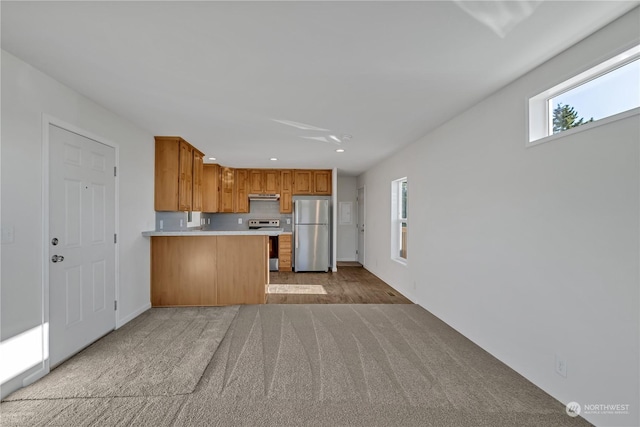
399,220
604,96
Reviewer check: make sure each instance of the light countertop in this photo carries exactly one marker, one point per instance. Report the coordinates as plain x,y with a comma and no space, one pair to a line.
197,232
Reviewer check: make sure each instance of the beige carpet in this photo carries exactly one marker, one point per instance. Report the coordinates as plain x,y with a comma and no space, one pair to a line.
328,365
162,352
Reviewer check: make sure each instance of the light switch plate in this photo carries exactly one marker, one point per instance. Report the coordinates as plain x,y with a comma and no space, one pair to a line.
239,220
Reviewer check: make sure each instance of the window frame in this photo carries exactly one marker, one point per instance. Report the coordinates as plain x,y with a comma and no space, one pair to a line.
540,122
397,219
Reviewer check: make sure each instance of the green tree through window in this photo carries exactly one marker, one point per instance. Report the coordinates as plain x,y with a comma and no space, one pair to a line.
566,117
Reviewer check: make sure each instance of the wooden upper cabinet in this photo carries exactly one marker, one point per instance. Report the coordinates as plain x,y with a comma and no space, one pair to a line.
302,182
241,187
185,194
264,181
316,182
322,182
198,169
271,180
167,171
286,191
256,181
210,187
175,160
227,179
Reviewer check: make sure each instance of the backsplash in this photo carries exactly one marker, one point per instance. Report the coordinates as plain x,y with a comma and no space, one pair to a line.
176,221
259,209
171,221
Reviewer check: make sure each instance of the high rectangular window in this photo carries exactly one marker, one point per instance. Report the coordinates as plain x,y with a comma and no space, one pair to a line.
609,91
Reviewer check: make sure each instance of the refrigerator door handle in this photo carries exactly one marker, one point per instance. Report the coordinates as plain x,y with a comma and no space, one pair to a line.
297,238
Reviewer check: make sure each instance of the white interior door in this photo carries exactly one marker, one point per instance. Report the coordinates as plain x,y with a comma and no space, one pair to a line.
361,225
81,239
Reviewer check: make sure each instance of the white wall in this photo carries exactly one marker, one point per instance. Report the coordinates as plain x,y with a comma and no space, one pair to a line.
26,95
529,252
348,233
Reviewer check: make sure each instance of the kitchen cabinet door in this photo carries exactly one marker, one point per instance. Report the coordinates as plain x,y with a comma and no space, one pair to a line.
286,190
256,181
241,187
210,187
227,178
186,177
167,173
302,182
284,252
322,182
271,181
198,165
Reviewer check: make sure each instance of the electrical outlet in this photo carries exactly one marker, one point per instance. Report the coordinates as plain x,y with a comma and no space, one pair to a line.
561,366
208,220
288,221
239,220
7,234
161,224
181,222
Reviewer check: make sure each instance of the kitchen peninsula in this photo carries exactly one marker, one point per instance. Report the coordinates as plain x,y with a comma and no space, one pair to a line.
208,268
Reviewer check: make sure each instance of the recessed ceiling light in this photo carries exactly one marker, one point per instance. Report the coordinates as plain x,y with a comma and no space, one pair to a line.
273,159
212,158
340,150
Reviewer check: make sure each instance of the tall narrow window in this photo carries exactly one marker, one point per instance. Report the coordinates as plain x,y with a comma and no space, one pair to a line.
399,220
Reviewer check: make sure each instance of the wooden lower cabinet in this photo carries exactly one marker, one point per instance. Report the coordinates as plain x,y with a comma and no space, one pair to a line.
208,270
284,252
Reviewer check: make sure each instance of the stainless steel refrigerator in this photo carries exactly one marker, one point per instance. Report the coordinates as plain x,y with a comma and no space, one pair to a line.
311,235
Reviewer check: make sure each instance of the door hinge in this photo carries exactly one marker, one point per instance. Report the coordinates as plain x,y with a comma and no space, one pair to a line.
356,252
115,238
115,171
115,305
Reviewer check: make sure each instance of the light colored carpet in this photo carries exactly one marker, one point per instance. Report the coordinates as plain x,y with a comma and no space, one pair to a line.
162,352
328,365
297,289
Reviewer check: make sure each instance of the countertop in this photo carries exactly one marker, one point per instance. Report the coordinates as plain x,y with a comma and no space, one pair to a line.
197,232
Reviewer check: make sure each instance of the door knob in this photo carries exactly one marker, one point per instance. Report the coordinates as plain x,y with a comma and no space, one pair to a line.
54,241
57,258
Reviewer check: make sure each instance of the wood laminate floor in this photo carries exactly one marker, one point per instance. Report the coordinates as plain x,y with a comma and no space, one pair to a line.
349,285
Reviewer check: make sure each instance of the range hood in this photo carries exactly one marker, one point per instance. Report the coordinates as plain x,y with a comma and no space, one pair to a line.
263,196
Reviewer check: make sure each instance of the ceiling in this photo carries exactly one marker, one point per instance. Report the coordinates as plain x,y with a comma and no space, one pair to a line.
247,81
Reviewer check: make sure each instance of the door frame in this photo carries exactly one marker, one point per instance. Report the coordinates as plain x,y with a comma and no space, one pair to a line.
364,218
48,120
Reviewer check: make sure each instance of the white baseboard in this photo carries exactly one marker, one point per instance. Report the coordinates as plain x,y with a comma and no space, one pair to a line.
347,260
44,370
121,322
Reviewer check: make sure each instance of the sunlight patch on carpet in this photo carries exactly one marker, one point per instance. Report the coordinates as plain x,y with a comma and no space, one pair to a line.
297,289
